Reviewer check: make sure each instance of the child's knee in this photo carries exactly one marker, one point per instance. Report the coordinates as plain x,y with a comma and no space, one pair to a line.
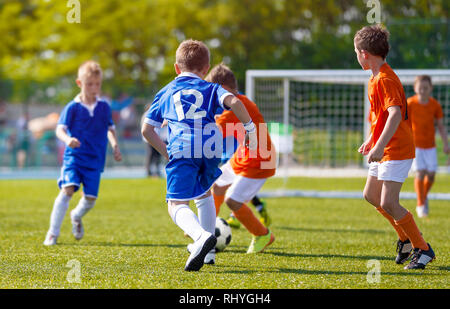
232,204
69,191
371,198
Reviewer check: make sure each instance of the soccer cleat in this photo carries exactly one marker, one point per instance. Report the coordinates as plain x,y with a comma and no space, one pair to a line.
265,218
260,243
421,211
404,249
233,222
199,250
421,258
77,227
210,258
50,239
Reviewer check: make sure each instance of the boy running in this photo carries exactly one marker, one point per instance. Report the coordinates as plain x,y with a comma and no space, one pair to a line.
189,104
390,146
85,126
425,111
245,173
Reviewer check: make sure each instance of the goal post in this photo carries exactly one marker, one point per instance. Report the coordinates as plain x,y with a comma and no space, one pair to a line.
324,113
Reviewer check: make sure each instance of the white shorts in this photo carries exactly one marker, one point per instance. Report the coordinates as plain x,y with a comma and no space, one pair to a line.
395,170
242,189
426,159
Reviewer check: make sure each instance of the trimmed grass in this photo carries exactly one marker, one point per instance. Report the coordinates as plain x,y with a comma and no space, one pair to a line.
131,242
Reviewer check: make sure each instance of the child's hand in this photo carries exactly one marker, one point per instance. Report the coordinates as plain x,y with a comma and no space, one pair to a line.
117,154
73,142
375,155
365,148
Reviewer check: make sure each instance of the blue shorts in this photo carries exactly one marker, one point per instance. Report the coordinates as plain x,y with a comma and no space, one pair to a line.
75,176
188,179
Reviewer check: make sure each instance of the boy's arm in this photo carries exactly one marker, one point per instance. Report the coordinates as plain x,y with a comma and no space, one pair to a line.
71,142
114,144
148,132
392,123
443,133
241,113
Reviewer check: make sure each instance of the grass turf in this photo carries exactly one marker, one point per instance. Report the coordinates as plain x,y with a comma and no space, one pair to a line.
131,242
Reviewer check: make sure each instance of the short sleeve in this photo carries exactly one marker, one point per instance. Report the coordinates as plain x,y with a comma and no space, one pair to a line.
391,94
154,114
438,111
66,116
222,94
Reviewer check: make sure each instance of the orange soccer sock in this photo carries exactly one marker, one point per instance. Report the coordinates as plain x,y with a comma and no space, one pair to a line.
419,187
218,201
249,220
408,225
427,183
401,234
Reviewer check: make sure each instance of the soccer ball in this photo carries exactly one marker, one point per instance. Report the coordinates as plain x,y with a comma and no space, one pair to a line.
223,234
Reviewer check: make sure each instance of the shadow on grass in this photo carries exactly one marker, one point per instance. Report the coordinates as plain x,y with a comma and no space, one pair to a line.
320,230
330,272
110,244
331,256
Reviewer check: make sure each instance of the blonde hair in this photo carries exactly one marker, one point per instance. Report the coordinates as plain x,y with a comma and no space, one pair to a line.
222,74
423,78
89,68
192,55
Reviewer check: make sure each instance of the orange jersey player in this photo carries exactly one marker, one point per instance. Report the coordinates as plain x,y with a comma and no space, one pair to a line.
390,146
425,111
246,172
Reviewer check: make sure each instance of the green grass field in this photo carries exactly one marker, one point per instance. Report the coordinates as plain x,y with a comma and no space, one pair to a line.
131,242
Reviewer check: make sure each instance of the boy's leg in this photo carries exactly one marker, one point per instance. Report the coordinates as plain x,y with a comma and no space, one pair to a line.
218,193
206,212
204,241
260,206
372,193
60,207
91,184
403,218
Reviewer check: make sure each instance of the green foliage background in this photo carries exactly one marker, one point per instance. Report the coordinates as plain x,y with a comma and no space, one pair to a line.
135,41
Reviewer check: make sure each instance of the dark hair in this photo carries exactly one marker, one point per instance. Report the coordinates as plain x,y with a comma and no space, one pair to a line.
373,39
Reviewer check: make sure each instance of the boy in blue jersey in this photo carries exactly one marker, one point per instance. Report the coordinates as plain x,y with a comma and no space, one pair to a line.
85,126
189,104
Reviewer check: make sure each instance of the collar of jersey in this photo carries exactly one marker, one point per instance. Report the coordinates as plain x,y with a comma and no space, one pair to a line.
90,108
188,74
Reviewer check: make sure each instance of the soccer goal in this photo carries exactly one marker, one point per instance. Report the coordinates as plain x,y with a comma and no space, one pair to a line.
319,118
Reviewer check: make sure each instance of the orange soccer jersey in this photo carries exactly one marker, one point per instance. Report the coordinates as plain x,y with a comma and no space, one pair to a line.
386,90
422,119
261,166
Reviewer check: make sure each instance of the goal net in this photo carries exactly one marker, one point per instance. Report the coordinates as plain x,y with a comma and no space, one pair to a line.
319,118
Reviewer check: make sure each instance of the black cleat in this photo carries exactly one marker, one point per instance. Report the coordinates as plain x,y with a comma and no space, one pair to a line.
199,252
421,258
404,249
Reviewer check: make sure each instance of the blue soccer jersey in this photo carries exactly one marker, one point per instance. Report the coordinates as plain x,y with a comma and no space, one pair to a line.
90,125
189,104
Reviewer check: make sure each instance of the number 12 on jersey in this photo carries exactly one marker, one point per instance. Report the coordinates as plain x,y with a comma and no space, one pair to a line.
192,113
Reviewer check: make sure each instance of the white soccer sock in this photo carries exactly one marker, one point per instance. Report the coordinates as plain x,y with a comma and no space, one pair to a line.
59,211
186,219
207,213
84,205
